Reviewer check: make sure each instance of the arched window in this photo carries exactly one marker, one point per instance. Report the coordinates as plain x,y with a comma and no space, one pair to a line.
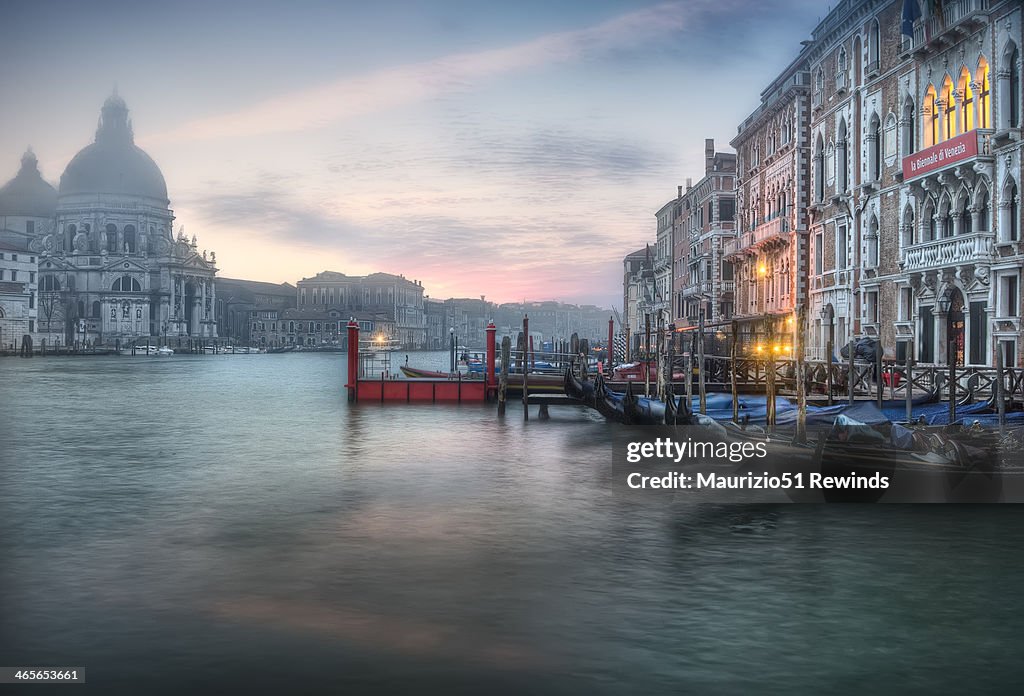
129,239
96,309
874,141
49,283
907,231
930,222
1012,207
945,211
842,166
949,114
874,46
966,223
984,212
872,240
111,238
931,117
291,327
819,170
126,284
81,309
907,123
1012,108
967,104
984,95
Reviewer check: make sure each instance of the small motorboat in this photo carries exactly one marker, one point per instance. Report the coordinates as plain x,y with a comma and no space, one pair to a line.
163,351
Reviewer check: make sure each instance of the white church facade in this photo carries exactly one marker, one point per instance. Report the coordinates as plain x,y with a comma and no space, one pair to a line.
110,268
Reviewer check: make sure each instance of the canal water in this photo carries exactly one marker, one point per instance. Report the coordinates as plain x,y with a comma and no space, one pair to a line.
229,524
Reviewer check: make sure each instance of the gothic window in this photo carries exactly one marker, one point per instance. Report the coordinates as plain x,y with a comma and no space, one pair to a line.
1013,228
931,116
949,117
889,145
874,149
967,103
819,173
907,237
841,159
908,127
966,223
984,213
946,210
874,46
830,164
1012,109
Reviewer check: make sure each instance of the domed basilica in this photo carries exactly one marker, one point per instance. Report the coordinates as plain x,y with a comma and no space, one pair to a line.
110,268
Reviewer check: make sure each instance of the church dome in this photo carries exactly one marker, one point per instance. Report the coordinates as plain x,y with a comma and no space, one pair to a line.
114,164
27,194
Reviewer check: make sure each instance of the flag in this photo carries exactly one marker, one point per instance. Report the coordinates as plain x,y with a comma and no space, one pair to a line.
911,12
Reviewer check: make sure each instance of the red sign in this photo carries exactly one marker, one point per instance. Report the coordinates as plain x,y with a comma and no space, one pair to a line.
942,155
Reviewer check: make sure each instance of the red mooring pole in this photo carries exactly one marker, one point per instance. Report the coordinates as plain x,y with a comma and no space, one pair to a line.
491,331
353,359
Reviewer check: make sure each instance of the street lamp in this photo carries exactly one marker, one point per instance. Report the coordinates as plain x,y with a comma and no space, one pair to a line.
451,336
944,303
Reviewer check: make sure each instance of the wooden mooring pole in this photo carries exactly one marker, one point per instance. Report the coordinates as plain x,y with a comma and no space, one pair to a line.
951,359
1000,397
732,375
878,375
801,383
506,358
828,369
910,384
526,389
647,355
851,374
702,386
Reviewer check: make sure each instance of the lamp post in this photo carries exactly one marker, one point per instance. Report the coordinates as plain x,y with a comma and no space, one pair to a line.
451,343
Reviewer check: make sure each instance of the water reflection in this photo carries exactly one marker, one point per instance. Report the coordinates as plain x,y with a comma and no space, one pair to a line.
197,518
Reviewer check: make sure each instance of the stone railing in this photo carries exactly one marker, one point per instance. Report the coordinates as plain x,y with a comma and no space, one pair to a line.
929,29
950,251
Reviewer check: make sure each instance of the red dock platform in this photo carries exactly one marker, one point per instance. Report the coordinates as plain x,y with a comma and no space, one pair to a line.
448,390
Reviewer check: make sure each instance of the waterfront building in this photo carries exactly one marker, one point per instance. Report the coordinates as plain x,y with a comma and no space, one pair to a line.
702,282
660,306
916,170
110,267
768,253
18,297
637,296
436,319
318,327
237,299
378,294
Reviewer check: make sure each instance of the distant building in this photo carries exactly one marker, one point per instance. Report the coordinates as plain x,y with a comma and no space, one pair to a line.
18,297
110,267
237,299
316,327
661,304
702,278
378,295
638,289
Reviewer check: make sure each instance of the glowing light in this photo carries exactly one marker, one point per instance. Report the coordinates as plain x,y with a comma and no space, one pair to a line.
777,348
758,348
789,320
762,269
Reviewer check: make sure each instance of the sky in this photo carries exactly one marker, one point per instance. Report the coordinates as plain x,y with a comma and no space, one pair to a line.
512,150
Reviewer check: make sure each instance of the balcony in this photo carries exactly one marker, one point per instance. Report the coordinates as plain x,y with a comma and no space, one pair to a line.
938,32
841,81
950,251
772,229
966,152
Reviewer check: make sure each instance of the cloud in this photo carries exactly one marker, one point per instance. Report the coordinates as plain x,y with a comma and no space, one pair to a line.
384,89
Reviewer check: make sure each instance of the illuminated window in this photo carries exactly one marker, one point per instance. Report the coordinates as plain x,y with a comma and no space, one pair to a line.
949,127
931,116
967,105
984,96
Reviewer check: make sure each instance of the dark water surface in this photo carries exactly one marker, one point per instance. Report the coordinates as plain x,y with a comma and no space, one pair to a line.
218,524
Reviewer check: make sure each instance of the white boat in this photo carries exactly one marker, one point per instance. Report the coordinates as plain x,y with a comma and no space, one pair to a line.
164,351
